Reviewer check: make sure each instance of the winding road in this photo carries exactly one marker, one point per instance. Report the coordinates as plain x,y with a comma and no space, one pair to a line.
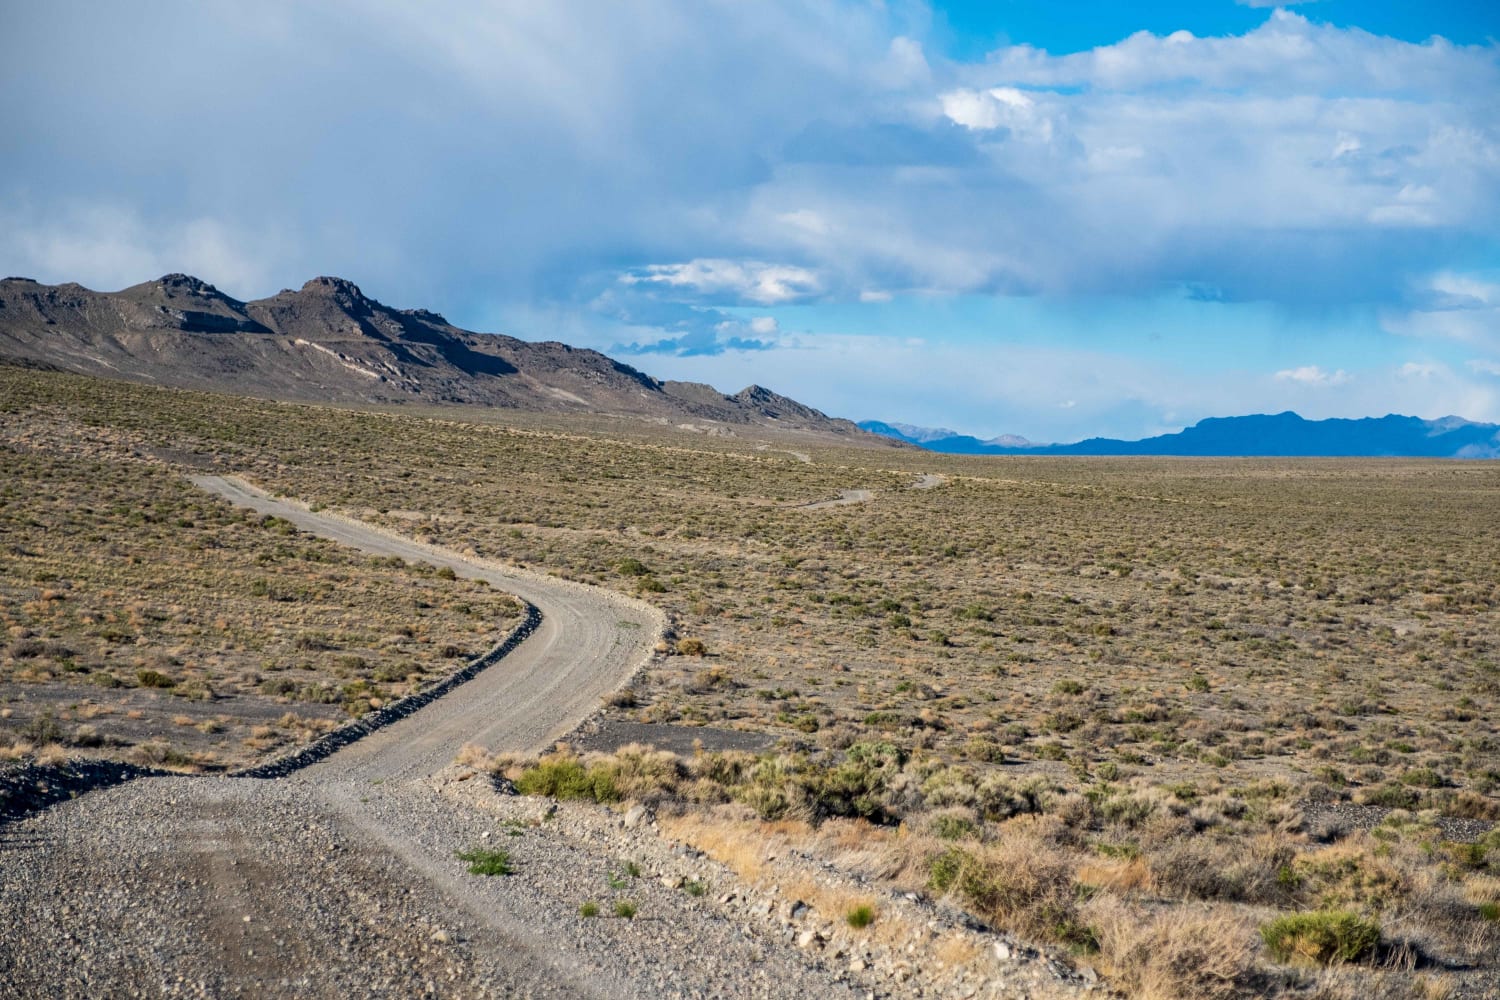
589,643
341,880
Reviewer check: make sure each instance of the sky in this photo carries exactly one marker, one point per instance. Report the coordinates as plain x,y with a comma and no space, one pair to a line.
993,217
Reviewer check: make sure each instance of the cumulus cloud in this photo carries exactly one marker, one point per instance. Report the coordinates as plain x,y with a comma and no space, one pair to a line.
1422,370
1483,366
1286,55
998,107
1314,377
749,281
510,153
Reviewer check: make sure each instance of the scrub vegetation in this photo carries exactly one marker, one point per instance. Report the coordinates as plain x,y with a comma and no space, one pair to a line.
1219,726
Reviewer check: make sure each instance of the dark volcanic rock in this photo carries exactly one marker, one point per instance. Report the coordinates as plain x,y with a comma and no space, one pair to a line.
329,342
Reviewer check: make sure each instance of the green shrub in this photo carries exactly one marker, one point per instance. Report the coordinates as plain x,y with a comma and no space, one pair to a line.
943,870
566,777
589,909
1323,937
1392,796
154,679
484,862
860,916
950,826
625,909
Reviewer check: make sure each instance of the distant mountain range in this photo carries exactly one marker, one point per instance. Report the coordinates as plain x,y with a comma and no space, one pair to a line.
328,342
1281,434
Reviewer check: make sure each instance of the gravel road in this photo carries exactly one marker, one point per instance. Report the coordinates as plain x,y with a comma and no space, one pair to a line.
341,879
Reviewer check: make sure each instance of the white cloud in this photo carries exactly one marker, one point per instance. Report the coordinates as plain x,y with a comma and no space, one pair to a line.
749,281
109,246
1465,291
1288,54
1315,377
1422,370
998,107
1450,306
1483,366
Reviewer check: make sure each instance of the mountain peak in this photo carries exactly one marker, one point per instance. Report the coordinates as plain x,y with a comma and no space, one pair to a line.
327,285
185,282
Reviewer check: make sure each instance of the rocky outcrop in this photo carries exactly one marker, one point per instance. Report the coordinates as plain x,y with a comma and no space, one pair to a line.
329,342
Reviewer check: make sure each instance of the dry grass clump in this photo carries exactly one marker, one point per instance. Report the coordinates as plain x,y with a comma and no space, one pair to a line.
1184,953
1017,881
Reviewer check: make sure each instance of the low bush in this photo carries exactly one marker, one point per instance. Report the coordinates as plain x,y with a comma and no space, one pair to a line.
1018,883
566,777
1191,953
1321,937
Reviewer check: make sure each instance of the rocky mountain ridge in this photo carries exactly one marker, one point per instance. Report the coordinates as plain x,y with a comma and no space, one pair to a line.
329,342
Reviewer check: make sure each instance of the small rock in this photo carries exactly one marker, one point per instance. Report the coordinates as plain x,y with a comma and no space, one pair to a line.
440,936
809,938
1002,951
673,881
858,965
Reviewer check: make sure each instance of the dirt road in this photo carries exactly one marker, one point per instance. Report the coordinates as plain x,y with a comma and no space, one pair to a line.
589,643
342,881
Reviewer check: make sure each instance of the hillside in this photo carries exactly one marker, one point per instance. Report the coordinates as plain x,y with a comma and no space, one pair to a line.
328,342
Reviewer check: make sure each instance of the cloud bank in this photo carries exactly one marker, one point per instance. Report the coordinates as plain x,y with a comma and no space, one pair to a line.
644,177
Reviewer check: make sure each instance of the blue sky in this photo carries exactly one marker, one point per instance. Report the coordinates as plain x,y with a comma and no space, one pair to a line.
984,216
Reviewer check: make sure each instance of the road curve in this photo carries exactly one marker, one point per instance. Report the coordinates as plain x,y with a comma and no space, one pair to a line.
589,643
341,880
